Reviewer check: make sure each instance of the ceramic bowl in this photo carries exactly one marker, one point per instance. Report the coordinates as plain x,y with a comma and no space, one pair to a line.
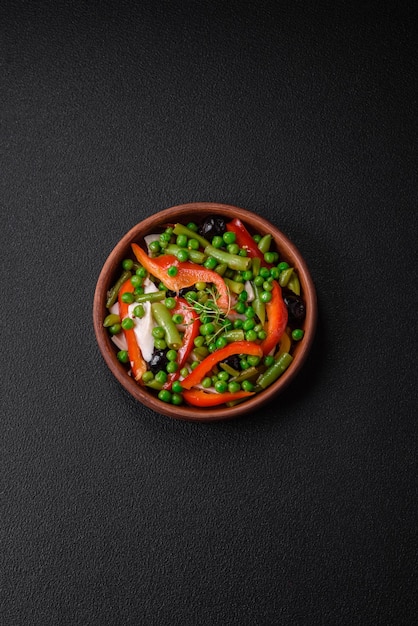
197,212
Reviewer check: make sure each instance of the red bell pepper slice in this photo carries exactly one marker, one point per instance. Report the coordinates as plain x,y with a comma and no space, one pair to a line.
236,347
192,324
244,239
276,319
138,365
188,274
196,397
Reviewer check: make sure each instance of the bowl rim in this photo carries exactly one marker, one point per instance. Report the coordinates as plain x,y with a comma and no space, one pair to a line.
184,412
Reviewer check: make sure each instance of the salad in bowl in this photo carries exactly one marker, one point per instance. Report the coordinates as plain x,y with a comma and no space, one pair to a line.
204,310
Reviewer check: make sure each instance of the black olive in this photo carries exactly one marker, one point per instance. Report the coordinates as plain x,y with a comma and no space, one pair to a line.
212,226
172,294
158,361
295,307
233,361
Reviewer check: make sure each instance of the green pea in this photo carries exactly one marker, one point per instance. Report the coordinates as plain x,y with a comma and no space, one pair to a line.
242,252
247,275
269,257
257,238
193,244
253,360
172,271
172,367
250,335
223,375
217,242
184,372
238,324
181,241
265,296
258,280
123,356
127,264
155,247
142,272
199,341
115,329
233,248
128,297
182,255
261,334
221,386
137,280
240,307
139,291
127,323
275,273
267,286
171,355
158,332
249,312
170,303
177,318
176,399
147,376
194,365
164,395
249,324
243,296
221,342
268,360
160,344
207,329
210,263
229,237
177,387
247,385
192,226
243,364
207,382
283,266
297,334
161,377
233,387
200,285
139,311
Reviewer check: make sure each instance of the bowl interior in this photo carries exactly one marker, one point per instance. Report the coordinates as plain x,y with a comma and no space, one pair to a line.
197,212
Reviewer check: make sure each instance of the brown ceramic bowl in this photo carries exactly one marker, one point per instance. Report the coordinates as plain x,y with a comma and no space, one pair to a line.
197,211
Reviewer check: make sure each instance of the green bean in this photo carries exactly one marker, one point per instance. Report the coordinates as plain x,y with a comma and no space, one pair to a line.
194,255
233,261
112,294
273,372
237,334
154,296
294,284
180,229
154,384
265,243
112,318
234,286
227,368
255,266
258,305
163,318
285,276
250,372
221,269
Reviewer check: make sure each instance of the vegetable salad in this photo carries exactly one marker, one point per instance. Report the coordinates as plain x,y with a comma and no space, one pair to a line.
206,315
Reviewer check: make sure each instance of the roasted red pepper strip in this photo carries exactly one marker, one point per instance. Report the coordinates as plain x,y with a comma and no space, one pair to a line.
188,274
192,324
244,239
236,347
276,319
138,365
196,397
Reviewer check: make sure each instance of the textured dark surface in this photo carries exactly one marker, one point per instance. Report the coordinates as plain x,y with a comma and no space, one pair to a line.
306,512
